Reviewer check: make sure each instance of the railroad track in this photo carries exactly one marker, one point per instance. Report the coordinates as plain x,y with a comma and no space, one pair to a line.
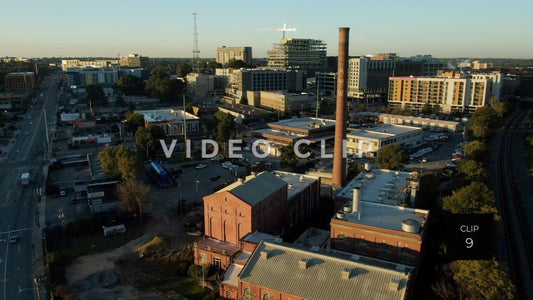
517,236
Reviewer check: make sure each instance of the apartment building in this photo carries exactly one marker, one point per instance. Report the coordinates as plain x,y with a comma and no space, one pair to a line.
458,93
225,54
134,61
82,77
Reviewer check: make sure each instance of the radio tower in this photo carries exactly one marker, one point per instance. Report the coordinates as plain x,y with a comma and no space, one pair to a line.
195,51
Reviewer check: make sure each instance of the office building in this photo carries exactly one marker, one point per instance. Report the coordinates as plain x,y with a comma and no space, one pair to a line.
327,84
134,61
368,79
82,77
284,102
225,54
418,65
298,54
200,85
171,121
81,64
368,142
19,81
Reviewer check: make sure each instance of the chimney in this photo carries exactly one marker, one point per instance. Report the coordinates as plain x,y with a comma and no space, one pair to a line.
339,168
345,274
264,254
355,200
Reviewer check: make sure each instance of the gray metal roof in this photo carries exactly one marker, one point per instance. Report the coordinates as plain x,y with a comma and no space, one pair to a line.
322,278
257,189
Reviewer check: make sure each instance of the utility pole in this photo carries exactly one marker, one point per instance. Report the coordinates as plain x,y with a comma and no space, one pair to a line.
184,123
317,96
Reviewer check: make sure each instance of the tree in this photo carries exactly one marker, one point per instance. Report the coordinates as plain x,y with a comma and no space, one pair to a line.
499,107
476,150
475,198
288,157
428,193
183,69
131,85
391,157
473,170
147,140
225,127
161,86
133,194
484,122
483,279
96,94
236,64
120,162
436,109
134,120
426,109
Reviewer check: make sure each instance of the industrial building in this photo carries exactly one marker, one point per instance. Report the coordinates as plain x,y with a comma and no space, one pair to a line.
225,54
282,271
369,226
172,121
298,54
368,142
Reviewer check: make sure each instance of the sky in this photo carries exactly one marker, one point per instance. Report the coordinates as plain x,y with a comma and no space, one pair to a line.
161,28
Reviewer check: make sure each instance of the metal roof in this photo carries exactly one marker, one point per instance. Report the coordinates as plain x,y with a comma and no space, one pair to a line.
323,277
256,189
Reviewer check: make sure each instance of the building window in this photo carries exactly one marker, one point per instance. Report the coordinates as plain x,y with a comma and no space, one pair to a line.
228,295
268,297
202,257
249,294
217,262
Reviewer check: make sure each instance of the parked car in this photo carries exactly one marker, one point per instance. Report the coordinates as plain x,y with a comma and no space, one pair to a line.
14,239
200,166
457,157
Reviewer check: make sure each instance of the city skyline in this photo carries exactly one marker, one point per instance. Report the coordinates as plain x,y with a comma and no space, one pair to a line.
165,29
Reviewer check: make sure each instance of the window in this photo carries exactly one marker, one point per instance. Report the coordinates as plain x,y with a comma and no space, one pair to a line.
268,297
217,262
248,294
202,257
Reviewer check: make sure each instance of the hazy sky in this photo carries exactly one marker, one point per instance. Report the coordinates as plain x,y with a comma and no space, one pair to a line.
161,28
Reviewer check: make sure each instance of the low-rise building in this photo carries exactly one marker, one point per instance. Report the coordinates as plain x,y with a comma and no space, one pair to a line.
172,121
280,101
246,113
368,142
283,271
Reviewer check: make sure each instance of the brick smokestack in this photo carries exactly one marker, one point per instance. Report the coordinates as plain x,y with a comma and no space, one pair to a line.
339,162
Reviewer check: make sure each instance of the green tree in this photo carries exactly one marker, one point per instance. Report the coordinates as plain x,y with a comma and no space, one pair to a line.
120,162
225,127
484,122
427,196
161,86
476,150
236,64
436,109
183,69
288,157
426,109
130,85
471,199
391,157
147,140
483,279
134,120
133,194
473,170
95,94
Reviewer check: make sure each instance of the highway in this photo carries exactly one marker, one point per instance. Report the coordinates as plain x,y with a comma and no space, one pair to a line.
18,210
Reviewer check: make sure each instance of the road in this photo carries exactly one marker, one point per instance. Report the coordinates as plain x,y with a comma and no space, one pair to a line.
17,213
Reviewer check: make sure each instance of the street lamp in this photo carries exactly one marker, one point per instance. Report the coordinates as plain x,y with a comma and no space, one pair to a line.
197,182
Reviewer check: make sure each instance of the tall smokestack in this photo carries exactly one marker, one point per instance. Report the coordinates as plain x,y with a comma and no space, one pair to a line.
339,169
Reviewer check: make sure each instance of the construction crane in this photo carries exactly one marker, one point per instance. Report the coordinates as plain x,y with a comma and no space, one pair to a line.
285,29
195,51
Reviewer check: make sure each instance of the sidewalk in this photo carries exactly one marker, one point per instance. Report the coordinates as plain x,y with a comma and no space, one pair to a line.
39,260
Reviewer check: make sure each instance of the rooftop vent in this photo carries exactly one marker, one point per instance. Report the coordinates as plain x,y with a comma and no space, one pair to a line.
303,263
340,215
301,179
264,254
291,186
345,274
411,226
347,209
394,284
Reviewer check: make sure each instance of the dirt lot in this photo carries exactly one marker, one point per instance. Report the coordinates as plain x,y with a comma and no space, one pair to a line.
145,263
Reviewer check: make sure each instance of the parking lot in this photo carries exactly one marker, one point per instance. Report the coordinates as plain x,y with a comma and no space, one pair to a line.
438,158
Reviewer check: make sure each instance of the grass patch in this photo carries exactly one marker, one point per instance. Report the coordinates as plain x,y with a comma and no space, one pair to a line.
186,287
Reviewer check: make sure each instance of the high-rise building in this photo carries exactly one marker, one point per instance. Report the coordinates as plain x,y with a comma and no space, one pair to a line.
298,54
134,61
369,78
225,54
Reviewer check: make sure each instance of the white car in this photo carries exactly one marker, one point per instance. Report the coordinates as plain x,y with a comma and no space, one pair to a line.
201,166
217,158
